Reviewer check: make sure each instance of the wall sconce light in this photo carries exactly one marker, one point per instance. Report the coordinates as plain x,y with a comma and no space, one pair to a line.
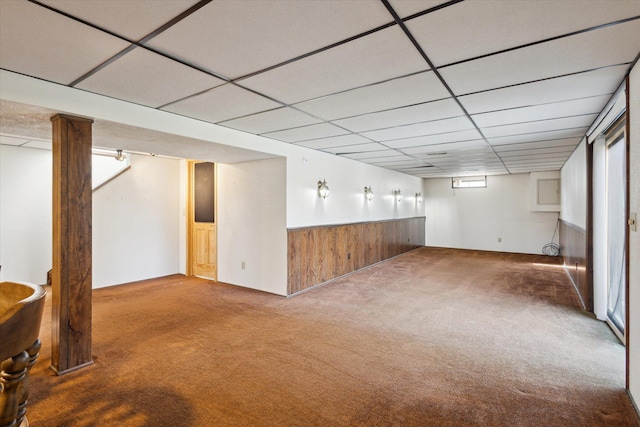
368,193
397,195
323,189
418,197
120,156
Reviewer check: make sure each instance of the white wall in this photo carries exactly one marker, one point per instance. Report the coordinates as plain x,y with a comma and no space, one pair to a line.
634,237
135,219
252,225
346,179
474,218
25,214
136,223
573,196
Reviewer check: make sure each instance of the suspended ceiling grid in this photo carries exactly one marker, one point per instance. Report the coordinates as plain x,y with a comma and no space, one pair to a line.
428,88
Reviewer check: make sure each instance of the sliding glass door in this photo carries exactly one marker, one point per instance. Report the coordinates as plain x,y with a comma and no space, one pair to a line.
616,230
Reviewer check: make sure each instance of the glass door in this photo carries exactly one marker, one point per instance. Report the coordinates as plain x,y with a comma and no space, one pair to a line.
616,208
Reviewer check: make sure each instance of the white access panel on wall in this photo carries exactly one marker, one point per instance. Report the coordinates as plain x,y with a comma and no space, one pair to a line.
544,191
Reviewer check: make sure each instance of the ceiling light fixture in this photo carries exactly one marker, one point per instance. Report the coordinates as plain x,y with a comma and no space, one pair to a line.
120,156
368,193
323,189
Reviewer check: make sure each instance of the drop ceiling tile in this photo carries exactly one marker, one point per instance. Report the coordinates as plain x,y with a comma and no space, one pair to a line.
482,27
428,111
538,136
41,43
134,21
465,135
352,149
11,140
443,147
574,107
149,79
435,127
265,32
335,141
380,56
383,154
535,152
538,160
317,131
613,45
406,8
270,121
540,126
414,89
222,103
540,144
599,82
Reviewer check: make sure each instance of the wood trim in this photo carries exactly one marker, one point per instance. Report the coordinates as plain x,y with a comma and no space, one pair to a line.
573,247
318,254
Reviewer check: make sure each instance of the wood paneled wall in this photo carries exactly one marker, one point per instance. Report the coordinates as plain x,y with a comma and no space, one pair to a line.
319,254
573,248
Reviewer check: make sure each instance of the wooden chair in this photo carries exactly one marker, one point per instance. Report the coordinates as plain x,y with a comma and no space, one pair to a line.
21,306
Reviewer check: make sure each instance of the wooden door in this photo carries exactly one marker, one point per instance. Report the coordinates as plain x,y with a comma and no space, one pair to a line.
202,220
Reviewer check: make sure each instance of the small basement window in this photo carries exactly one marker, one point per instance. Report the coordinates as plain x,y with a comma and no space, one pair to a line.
469,182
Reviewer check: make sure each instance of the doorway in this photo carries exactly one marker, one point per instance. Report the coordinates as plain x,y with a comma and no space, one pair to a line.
201,224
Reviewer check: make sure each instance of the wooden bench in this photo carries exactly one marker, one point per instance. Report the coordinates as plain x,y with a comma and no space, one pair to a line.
21,306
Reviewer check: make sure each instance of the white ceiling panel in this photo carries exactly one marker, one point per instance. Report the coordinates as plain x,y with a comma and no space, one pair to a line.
536,152
335,141
384,154
420,129
540,126
406,8
575,107
149,79
380,56
613,45
548,143
222,103
465,135
322,130
417,88
264,33
538,136
351,149
442,147
599,82
41,43
429,111
473,28
270,121
134,21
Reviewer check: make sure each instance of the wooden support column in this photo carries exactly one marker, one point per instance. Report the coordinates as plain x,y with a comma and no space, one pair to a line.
71,273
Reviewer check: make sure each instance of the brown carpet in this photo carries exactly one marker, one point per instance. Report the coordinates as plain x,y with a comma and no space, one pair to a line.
435,337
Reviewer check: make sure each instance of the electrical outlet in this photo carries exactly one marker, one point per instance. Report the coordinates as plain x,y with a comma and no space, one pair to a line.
242,265
633,222
499,239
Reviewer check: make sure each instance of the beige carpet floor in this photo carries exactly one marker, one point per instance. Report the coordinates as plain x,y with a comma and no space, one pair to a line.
434,337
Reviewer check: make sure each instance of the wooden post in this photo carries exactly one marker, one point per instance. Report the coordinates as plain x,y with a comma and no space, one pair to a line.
71,273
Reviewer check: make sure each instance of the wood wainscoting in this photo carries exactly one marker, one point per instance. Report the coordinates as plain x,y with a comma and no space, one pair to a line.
319,254
574,250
